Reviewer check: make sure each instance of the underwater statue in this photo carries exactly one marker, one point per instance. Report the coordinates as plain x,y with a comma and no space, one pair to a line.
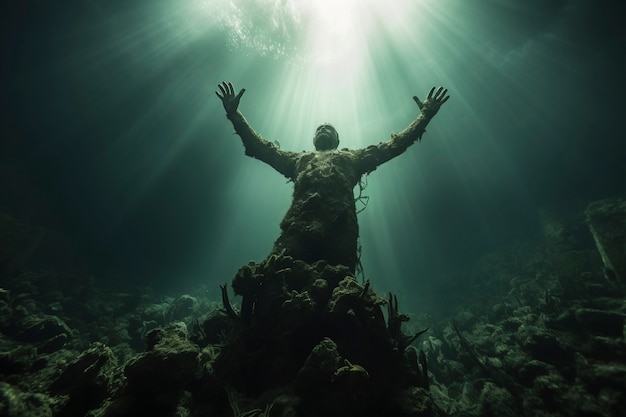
321,223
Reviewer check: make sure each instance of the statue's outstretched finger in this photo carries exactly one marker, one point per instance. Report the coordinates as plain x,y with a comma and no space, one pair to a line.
418,101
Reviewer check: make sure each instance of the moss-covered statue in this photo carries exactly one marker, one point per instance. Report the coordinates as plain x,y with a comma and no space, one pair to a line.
307,330
321,223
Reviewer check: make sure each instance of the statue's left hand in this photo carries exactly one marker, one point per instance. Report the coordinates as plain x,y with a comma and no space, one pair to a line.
228,97
431,105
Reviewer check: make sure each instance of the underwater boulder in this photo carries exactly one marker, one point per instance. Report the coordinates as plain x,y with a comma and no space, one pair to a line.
184,306
88,380
170,362
17,403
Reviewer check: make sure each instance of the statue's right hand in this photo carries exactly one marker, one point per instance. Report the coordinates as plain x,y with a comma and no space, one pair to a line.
228,97
435,100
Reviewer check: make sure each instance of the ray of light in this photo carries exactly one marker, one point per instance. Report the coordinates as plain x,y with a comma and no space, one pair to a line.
352,63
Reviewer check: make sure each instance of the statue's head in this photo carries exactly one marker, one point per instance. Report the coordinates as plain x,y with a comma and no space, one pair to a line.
326,138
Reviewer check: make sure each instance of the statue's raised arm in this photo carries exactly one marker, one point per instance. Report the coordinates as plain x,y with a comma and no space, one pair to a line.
255,145
373,156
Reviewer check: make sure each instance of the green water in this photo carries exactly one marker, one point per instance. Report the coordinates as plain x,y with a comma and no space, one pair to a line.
124,134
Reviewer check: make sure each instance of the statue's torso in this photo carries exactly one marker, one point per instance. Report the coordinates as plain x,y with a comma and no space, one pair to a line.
321,222
328,178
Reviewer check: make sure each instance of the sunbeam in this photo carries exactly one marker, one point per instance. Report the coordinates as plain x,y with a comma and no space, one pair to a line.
133,91
354,64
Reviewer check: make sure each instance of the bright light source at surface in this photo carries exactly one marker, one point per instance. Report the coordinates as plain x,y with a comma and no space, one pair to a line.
336,34
322,32
330,58
332,39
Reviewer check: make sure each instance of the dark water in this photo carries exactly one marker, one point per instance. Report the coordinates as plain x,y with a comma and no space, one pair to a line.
111,133
126,200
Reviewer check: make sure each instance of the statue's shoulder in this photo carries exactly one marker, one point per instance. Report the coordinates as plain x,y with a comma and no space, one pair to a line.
304,156
351,153
347,153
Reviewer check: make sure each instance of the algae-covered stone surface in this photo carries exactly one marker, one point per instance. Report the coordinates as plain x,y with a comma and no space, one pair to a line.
538,331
